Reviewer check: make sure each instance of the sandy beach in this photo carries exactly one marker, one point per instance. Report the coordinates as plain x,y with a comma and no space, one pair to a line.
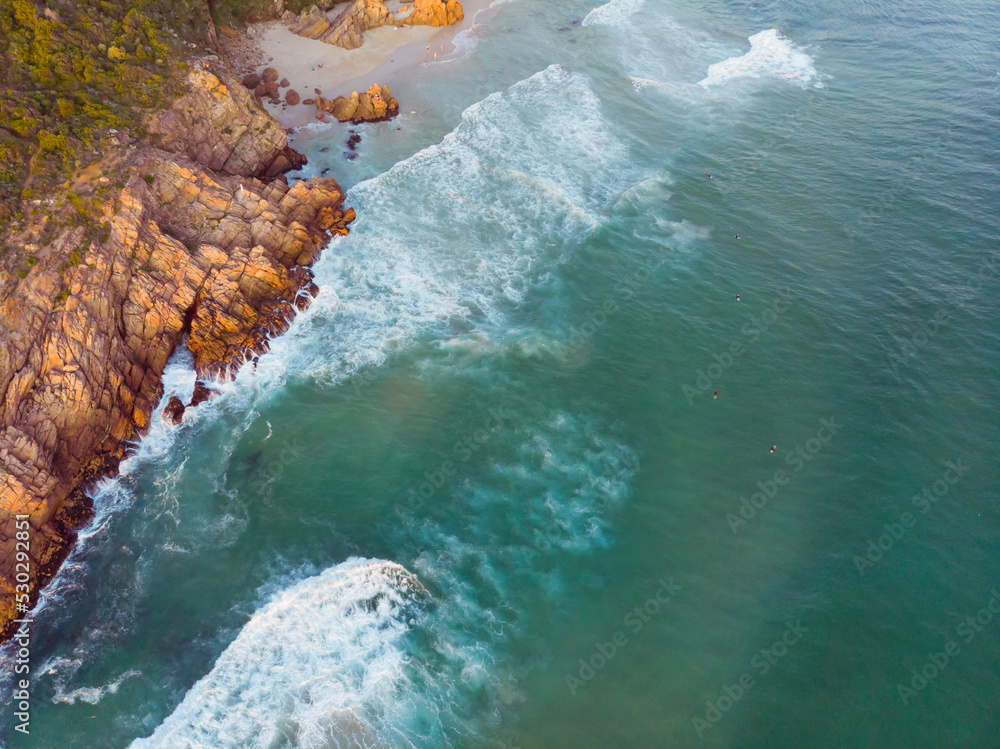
313,67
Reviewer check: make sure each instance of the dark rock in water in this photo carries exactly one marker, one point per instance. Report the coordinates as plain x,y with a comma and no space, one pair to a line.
324,149
564,28
174,410
351,155
353,140
201,393
324,172
576,22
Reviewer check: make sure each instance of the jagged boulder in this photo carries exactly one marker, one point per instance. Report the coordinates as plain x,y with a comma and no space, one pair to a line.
429,13
374,105
269,75
201,394
174,410
292,97
347,28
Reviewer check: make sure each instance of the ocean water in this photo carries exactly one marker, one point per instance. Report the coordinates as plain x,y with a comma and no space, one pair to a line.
482,493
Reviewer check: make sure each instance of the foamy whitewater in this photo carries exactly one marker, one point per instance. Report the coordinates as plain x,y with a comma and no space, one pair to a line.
770,54
443,510
319,666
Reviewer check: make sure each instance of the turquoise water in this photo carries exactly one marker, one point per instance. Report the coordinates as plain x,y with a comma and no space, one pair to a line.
491,450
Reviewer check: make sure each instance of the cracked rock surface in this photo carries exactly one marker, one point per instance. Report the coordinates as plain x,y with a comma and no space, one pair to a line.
207,245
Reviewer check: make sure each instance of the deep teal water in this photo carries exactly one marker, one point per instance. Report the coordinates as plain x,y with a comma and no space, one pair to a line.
502,399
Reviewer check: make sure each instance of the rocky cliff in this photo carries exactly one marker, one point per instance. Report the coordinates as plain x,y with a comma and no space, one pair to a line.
200,242
347,28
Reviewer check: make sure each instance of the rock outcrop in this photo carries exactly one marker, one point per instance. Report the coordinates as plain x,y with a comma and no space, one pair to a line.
374,105
429,13
218,125
201,241
347,29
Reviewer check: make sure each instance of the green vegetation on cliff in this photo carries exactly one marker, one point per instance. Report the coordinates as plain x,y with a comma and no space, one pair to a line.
71,72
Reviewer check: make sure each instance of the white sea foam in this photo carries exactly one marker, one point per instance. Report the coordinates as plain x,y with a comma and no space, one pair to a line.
91,695
685,231
488,213
770,55
523,178
574,476
615,13
323,664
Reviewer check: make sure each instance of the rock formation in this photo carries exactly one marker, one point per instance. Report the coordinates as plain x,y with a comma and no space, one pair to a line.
217,125
429,13
374,105
346,29
202,241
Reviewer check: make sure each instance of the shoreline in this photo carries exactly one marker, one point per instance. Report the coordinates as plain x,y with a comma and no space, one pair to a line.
395,50
385,52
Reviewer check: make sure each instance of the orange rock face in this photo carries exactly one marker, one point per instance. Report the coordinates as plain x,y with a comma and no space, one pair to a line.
374,105
203,242
429,13
347,29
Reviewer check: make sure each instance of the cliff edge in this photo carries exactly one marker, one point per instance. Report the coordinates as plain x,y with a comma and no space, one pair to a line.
188,235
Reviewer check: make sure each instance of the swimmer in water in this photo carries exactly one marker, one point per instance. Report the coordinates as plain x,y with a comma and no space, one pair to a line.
715,394
736,236
707,175
737,297
774,448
